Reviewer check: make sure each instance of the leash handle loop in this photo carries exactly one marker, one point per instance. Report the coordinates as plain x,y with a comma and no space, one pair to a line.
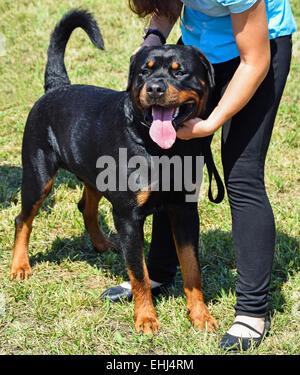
213,172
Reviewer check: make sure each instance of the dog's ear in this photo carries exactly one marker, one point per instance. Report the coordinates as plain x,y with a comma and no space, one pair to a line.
132,65
131,72
208,66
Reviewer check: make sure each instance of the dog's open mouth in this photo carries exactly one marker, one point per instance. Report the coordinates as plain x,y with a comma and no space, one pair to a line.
165,121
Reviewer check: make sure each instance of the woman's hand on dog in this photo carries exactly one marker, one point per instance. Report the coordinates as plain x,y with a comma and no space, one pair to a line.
196,128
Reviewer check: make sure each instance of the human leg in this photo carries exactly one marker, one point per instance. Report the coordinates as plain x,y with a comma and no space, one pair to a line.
245,142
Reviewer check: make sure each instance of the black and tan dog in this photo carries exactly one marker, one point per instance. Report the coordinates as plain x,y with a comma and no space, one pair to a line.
71,126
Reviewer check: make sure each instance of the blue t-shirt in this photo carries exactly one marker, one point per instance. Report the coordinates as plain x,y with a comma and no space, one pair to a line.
206,24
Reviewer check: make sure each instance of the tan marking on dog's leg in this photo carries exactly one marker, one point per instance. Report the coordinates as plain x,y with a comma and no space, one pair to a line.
90,216
20,268
198,311
145,317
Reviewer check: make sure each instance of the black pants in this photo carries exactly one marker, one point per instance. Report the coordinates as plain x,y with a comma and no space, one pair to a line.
245,141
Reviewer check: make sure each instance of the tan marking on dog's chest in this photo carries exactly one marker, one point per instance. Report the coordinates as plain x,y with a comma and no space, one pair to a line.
142,196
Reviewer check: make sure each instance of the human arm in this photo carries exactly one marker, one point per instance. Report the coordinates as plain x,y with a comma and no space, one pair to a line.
250,30
163,23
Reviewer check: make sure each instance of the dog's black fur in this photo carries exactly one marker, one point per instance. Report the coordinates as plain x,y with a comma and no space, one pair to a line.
71,126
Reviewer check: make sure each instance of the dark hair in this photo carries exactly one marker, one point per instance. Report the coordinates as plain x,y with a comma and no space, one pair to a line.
167,8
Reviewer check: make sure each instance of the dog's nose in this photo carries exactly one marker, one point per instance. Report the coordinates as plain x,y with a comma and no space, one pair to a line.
155,89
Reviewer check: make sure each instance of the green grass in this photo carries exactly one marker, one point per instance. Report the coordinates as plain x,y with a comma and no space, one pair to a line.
59,310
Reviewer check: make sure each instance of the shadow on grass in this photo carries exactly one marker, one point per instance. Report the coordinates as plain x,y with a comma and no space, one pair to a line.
79,248
10,186
216,260
11,180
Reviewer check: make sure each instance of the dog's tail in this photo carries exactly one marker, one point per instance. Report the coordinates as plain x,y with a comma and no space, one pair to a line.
56,74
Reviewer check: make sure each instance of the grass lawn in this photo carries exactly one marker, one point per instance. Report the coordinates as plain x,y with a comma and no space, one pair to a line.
59,310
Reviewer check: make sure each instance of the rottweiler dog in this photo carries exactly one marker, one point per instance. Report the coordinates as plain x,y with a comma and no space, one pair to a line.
71,126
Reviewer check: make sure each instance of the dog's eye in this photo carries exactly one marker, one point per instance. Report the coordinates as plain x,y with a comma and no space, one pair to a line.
179,73
144,72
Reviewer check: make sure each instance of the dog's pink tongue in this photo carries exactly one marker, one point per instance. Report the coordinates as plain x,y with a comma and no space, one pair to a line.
162,131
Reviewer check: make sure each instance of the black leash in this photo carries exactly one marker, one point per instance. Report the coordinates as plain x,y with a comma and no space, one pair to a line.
213,172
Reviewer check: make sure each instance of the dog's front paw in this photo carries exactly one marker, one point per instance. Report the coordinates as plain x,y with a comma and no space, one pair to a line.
147,323
101,247
201,319
20,271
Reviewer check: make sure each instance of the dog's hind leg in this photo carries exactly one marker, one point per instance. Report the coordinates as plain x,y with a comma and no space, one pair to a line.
88,205
37,182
